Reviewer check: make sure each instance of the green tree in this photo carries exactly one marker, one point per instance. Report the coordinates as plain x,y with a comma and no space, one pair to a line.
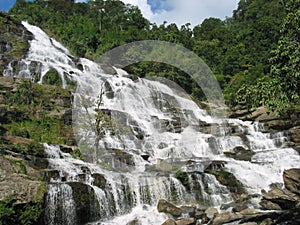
281,90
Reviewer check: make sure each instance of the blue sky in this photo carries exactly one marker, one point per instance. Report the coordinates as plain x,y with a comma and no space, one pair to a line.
5,5
173,11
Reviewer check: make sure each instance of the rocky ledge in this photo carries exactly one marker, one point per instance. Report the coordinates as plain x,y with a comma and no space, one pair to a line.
288,123
277,206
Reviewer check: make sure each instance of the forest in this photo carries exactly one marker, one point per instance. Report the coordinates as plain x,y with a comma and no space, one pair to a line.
254,54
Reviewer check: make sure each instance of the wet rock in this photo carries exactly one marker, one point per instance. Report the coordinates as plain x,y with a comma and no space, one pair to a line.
37,162
229,180
123,157
167,207
163,165
291,179
213,145
226,217
227,205
212,128
249,211
215,165
267,221
239,207
211,212
268,205
249,223
283,198
108,90
50,174
66,148
67,117
185,221
279,124
189,210
99,180
169,222
134,222
87,207
240,153
199,214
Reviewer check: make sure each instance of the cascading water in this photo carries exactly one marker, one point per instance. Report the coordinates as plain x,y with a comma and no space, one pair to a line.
149,131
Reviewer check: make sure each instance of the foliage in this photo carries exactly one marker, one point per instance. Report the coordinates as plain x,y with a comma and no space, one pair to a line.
12,213
237,49
281,90
31,148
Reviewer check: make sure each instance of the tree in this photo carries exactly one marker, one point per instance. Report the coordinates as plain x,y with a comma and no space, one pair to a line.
281,90
286,60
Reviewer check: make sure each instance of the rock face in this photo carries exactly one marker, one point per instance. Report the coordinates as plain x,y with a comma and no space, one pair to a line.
85,201
13,41
291,179
288,123
15,171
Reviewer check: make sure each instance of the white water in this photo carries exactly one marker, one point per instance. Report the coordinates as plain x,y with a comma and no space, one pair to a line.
148,119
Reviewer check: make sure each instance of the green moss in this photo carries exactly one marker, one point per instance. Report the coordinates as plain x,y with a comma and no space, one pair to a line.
41,192
17,165
52,78
105,165
183,177
229,180
77,154
32,148
47,129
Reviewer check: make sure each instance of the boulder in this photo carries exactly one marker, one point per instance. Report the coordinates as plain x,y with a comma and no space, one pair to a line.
268,205
167,207
249,211
226,217
189,210
291,179
282,197
211,212
123,157
240,153
199,214
169,222
239,207
185,221
134,222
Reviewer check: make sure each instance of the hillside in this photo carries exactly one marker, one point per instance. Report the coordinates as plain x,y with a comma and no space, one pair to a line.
240,50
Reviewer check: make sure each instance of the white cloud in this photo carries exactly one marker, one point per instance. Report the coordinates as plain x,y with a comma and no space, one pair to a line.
184,11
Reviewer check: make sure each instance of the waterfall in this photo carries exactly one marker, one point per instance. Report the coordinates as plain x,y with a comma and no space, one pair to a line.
60,206
149,132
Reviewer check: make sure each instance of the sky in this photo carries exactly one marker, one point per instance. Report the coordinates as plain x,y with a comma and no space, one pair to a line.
172,11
